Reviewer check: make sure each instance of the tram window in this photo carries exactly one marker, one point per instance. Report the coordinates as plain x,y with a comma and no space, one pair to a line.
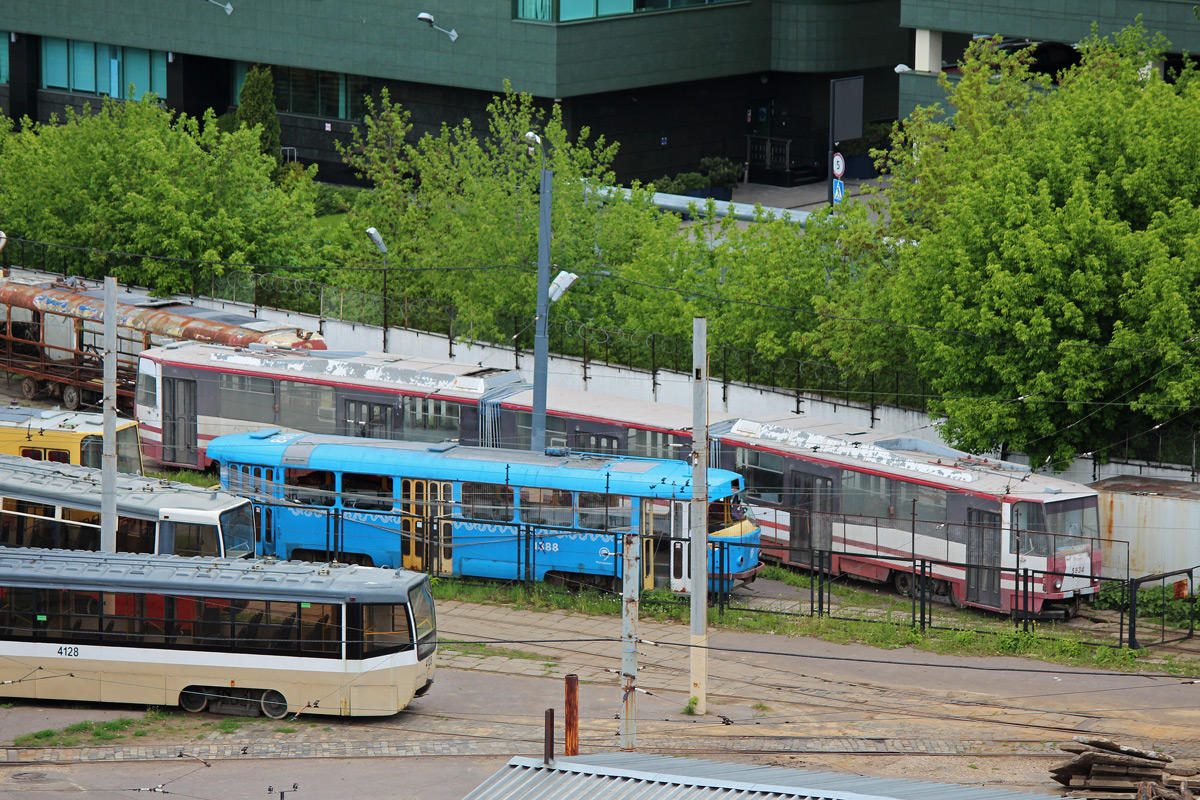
546,507
385,629
366,492
763,473
556,431
55,611
247,398
654,444
58,456
91,452
931,508
135,535
237,525
588,442
430,420
190,539
605,511
35,525
147,390
16,612
188,612
320,628
307,407
310,487
866,495
278,628
420,600
487,501
129,452
32,453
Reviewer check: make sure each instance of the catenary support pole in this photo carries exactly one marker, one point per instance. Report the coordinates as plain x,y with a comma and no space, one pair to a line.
699,514
630,588
108,461
541,337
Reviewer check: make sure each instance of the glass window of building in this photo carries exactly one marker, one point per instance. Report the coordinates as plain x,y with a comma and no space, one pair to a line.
574,10
102,69
313,92
3,59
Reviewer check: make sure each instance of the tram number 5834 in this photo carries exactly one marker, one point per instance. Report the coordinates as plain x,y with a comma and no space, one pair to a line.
70,652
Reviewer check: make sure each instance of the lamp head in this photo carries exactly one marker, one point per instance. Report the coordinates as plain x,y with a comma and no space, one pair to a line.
902,68
377,239
533,138
562,281
425,16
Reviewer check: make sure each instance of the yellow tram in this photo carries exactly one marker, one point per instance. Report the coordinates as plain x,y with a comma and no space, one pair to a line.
66,437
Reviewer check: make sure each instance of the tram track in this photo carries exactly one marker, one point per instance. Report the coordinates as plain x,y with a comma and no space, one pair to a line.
881,705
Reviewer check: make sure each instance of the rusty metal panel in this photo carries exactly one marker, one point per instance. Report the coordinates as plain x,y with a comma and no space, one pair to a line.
1159,519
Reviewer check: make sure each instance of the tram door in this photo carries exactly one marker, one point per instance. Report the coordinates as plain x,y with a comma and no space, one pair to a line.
670,521
179,421
810,521
425,526
983,557
371,420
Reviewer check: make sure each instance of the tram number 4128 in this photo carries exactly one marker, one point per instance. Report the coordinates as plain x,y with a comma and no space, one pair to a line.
71,652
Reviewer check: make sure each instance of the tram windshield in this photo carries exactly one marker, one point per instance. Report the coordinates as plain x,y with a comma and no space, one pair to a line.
420,600
237,524
1046,528
129,453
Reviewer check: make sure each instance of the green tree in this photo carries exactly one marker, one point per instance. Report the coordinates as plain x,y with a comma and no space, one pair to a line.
133,178
459,211
1041,267
256,107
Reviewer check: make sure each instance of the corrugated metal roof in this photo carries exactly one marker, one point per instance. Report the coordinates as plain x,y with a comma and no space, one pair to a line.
634,776
1141,484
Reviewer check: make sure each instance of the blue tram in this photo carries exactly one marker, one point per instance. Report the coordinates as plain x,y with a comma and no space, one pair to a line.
449,509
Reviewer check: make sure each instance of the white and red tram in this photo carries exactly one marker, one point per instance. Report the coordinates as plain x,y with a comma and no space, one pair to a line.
997,535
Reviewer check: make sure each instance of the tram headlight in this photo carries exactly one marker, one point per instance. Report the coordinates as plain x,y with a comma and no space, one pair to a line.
1058,583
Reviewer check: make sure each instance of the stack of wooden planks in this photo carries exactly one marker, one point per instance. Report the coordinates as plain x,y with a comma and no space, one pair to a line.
1102,769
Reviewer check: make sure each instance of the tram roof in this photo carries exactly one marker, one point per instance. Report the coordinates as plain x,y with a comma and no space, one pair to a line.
130,302
834,442
264,579
369,370
79,487
641,477
39,420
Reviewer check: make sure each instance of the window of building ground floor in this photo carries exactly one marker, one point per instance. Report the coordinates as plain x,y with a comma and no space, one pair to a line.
571,10
4,38
314,93
103,69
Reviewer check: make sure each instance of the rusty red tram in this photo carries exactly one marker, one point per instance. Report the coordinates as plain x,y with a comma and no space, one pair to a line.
52,331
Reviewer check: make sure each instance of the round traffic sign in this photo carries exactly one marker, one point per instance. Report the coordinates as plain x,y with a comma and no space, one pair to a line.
839,165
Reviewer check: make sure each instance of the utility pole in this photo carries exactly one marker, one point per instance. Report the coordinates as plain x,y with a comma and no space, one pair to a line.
631,580
699,515
108,462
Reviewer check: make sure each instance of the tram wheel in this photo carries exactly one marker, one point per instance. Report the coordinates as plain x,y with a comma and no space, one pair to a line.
193,699
902,581
71,398
273,704
29,388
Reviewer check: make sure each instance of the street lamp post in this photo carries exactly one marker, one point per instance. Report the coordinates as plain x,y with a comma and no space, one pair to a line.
541,339
378,240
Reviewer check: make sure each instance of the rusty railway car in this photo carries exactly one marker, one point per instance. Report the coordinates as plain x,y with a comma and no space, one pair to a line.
52,332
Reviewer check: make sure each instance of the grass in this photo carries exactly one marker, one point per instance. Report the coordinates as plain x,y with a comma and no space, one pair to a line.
191,476
481,649
156,723
877,619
